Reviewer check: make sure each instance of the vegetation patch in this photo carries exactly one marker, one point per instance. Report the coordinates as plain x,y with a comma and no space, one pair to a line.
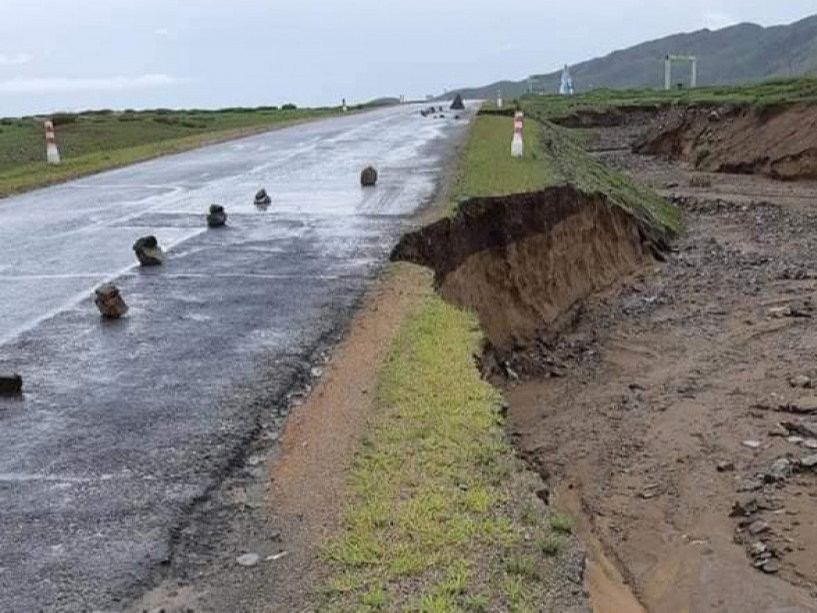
442,516
487,169
762,95
553,156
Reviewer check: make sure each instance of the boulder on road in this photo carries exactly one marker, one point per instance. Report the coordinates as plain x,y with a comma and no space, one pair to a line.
217,217
457,104
368,177
262,197
109,301
11,385
148,251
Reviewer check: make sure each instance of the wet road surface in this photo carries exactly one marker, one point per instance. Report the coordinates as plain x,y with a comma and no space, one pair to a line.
126,424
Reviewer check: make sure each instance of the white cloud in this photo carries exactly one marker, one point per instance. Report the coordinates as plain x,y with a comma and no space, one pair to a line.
51,85
161,32
17,59
715,20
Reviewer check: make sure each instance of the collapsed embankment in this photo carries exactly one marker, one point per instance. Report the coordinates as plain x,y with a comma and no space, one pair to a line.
775,141
778,142
523,261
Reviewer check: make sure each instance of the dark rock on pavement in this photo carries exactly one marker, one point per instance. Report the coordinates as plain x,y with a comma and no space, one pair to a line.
148,251
109,301
368,177
11,385
217,217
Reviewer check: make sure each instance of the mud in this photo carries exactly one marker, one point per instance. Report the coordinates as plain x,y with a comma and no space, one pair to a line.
522,262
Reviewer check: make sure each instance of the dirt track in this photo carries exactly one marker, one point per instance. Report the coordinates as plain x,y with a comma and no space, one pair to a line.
670,374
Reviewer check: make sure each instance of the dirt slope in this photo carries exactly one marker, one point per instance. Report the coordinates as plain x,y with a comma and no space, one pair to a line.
523,261
776,142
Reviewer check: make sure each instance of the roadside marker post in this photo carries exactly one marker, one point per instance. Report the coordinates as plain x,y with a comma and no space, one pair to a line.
499,99
517,145
344,105
52,154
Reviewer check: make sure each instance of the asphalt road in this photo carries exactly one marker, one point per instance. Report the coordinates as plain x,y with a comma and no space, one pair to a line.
126,425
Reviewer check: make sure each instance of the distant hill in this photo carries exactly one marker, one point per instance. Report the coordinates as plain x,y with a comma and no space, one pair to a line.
737,54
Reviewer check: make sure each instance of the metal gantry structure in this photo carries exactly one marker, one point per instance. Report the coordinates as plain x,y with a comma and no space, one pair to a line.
669,59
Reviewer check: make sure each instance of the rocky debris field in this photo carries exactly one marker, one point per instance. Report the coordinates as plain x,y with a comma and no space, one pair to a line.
676,416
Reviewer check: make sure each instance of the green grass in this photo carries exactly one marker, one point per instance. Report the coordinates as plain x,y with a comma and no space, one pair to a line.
487,168
553,156
439,518
765,94
98,140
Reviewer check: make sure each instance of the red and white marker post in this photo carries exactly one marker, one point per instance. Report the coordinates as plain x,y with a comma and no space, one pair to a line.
517,145
52,154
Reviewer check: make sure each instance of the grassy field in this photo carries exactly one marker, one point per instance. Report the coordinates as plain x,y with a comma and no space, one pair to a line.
97,140
553,156
443,517
764,94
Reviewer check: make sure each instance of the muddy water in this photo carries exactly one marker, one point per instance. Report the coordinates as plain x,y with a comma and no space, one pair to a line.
609,592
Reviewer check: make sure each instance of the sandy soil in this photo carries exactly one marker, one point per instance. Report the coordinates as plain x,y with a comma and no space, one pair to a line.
664,409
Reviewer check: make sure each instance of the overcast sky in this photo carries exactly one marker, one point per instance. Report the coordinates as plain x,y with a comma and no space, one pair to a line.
78,54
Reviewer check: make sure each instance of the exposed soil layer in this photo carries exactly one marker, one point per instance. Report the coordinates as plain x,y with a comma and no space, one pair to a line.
659,426
523,261
778,142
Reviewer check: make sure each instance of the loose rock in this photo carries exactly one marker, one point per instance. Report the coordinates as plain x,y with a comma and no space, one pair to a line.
148,251
801,381
109,301
752,444
368,177
758,527
217,217
809,462
771,566
725,466
457,104
248,559
262,198
11,385
780,470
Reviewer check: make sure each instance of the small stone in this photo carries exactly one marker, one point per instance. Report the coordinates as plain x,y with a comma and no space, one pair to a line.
248,559
255,460
758,549
262,198
752,444
744,509
216,217
810,443
780,469
809,462
804,406
316,372
806,429
11,385
771,566
277,556
795,440
109,301
725,466
758,527
368,177
801,381
148,251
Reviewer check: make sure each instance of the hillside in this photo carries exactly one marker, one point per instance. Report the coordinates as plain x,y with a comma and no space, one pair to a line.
737,54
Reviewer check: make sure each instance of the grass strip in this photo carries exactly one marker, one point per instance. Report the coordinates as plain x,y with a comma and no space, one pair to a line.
442,516
553,156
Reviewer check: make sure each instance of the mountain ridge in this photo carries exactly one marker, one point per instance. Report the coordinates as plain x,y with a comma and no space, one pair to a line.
741,53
